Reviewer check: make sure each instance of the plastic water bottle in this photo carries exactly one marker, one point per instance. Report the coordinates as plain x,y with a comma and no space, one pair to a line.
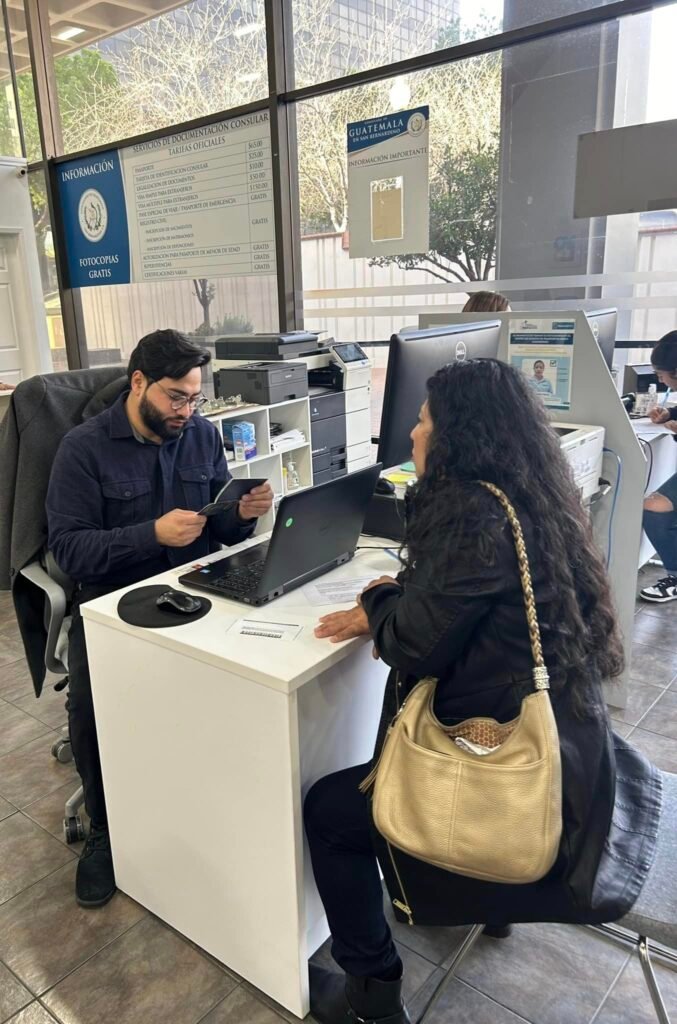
652,401
293,479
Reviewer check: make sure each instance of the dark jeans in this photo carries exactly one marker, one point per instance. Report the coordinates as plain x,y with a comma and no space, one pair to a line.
81,723
661,528
346,871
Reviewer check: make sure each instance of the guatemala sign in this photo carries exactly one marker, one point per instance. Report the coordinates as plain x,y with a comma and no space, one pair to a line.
388,184
195,204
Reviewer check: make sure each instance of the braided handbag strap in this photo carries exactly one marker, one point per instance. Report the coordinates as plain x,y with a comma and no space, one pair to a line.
541,679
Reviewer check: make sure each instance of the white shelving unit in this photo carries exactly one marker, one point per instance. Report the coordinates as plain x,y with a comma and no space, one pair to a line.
292,415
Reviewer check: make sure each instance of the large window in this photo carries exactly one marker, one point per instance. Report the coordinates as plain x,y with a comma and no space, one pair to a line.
503,145
504,130
485,16
339,37
119,75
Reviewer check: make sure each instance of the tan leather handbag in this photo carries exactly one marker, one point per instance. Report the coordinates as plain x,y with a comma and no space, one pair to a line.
481,798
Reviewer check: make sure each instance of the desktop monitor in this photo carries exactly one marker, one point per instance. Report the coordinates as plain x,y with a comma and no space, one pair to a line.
603,326
413,357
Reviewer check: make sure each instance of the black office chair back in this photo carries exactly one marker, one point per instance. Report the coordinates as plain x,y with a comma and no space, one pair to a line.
42,410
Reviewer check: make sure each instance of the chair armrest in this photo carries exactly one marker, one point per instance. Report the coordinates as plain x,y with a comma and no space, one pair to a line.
56,597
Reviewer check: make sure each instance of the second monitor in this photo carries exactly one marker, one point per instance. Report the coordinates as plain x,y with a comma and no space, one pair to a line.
603,326
413,357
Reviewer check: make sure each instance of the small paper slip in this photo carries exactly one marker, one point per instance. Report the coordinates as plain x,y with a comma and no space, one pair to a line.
267,630
336,591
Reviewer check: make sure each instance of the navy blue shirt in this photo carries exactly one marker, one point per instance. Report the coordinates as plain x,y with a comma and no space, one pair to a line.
107,489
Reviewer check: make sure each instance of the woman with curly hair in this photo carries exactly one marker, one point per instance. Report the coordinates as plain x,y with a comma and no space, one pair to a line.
456,612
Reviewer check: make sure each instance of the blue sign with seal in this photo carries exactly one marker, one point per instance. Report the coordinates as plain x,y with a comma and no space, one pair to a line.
94,214
362,134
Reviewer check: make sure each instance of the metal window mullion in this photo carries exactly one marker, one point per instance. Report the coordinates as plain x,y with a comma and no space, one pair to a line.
284,157
51,141
44,79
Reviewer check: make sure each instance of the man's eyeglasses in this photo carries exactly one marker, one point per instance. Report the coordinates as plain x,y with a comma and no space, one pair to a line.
178,401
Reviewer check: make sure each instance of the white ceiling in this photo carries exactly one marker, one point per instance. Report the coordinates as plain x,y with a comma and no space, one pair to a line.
98,18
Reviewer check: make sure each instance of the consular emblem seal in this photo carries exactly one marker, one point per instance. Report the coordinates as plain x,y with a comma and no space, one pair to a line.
92,215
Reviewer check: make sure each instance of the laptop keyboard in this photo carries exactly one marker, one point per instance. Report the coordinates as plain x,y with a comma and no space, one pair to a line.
241,580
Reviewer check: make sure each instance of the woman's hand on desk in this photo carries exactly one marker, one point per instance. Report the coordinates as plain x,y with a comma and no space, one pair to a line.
379,581
339,626
671,425
659,415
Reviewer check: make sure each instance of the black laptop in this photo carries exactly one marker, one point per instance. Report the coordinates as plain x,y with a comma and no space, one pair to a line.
315,530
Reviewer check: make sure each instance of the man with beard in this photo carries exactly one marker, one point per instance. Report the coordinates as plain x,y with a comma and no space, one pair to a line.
122,504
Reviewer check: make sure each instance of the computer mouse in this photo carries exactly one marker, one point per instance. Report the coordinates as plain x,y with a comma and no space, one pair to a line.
384,486
174,601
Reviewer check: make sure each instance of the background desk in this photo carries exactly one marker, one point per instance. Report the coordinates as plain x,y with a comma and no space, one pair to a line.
209,741
663,464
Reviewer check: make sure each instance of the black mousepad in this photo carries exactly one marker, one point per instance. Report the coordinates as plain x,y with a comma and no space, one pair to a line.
138,608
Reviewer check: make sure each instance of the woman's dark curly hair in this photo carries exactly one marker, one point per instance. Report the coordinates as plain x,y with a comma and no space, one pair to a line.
489,425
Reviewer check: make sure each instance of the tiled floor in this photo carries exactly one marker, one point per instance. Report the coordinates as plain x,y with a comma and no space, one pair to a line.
120,965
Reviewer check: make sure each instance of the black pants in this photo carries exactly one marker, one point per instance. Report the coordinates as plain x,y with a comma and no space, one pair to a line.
346,871
81,723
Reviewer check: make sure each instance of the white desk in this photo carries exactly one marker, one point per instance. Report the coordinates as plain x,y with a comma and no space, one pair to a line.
209,741
663,466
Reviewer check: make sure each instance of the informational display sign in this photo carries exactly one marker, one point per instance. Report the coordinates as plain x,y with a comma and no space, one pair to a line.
388,184
544,351
195,204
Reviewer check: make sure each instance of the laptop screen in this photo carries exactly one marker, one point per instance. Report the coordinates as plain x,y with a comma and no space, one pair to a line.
318,526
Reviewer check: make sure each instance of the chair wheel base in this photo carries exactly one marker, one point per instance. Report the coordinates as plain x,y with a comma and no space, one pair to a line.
73,829
62,751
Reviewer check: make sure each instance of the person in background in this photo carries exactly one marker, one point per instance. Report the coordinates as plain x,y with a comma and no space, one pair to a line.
660,507
456,612
538,382
487,302
122,504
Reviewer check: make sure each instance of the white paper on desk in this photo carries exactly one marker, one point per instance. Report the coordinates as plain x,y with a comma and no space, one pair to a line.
267,629
336,591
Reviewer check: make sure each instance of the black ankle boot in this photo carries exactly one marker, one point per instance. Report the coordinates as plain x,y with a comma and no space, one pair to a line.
344,999
94,879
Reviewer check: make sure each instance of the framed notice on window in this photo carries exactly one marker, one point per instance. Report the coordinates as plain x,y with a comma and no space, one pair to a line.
388,184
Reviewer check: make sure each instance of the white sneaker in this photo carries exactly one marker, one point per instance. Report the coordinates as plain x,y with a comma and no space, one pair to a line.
661,591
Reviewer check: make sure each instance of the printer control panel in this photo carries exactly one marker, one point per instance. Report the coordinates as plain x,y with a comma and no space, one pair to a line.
354,364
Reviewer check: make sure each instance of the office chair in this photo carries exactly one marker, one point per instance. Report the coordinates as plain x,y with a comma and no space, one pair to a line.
42,410
653,918
57,589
